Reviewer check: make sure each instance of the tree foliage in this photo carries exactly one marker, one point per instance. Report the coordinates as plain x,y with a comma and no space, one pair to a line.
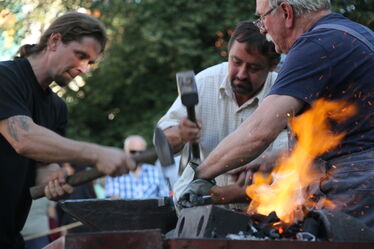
360,11
150,41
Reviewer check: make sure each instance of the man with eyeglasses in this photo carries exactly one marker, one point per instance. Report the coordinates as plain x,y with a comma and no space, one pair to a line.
328,56
144,182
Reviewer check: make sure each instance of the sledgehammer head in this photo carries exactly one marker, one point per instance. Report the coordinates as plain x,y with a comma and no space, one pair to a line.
163,148
187,88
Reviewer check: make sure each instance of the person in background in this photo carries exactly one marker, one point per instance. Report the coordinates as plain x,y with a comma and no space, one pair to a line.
99,188
37,223
144,182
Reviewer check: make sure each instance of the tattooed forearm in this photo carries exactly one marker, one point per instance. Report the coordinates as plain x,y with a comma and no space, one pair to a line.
15,123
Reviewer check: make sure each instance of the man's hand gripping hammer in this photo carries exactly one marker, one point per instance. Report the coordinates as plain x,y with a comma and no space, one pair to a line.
188,93
161,150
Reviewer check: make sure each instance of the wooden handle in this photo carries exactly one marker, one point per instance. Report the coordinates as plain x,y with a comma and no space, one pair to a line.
73,180
148,156
85,176
195,146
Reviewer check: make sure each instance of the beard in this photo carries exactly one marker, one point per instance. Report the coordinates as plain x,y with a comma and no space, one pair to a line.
244,87
62,80
268,37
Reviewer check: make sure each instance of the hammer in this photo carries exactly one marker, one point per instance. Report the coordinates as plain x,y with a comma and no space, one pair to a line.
188,92
161,150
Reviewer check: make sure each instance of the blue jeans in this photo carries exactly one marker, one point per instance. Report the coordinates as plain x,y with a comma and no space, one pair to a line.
350,185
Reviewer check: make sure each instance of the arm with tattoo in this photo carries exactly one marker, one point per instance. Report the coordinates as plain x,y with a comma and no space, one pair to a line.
41,144
15,123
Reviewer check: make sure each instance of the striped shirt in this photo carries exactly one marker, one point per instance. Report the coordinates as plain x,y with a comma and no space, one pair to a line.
149,184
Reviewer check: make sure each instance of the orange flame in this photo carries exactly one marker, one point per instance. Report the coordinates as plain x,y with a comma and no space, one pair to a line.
285,189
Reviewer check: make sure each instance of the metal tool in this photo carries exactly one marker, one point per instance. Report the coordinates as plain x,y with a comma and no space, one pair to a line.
161,150
167,165
185,158
209,222
188,93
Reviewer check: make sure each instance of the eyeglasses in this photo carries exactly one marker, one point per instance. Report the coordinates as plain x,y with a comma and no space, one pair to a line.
259,22
133,152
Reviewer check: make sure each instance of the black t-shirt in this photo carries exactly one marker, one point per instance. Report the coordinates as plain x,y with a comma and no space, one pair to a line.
20,94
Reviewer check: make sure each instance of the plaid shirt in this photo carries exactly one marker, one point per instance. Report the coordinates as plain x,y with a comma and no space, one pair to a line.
150,184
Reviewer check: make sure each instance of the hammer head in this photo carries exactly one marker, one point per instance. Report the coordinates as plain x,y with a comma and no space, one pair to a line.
187,88
163,148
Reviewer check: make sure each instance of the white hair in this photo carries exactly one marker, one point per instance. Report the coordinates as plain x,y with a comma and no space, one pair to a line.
302,7
133,138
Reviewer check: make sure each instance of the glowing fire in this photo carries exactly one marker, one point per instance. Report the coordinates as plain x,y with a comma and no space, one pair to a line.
285,189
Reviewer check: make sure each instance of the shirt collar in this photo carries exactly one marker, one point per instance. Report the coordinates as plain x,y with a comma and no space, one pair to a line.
225,87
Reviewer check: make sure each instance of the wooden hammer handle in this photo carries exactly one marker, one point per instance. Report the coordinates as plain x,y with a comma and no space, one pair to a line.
85,176
73,180
195,146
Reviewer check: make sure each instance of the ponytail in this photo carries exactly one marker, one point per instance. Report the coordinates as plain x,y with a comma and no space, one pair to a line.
28,49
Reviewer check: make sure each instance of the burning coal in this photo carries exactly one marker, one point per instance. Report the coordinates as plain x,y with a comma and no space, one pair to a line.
286,189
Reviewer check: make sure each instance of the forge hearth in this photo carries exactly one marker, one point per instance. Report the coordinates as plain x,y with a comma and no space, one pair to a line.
319,225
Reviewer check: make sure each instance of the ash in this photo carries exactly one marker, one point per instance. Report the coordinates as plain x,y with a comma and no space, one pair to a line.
244,236
302,236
